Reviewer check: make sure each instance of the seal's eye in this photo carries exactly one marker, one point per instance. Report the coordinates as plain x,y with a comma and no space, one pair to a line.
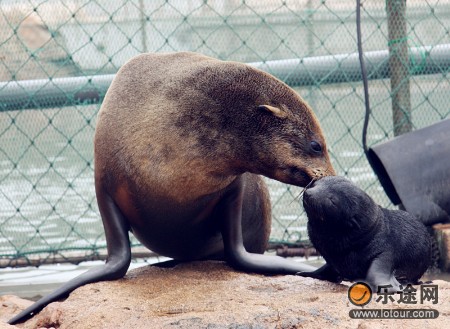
316,147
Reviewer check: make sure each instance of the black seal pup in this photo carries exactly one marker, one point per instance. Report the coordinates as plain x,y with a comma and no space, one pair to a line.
180,143
362,241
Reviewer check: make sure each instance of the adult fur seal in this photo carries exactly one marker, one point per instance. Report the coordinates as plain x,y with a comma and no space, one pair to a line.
180,142
362,241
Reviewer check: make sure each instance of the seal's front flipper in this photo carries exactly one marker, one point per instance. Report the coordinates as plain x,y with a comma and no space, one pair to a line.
229,210
326,272
380,274
119,257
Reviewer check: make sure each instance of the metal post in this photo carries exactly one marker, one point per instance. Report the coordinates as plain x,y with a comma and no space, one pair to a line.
399,66
143,26
310,48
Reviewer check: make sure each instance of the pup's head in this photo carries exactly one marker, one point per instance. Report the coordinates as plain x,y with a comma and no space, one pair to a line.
335,203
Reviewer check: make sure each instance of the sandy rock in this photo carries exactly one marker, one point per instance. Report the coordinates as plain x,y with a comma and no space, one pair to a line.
10,305
212,295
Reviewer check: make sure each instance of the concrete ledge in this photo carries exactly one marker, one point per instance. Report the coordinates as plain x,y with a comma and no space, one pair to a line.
442,234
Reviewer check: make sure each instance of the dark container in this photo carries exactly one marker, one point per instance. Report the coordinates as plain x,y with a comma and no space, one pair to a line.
414,170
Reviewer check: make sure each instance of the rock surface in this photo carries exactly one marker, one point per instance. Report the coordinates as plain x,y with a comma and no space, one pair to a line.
212,295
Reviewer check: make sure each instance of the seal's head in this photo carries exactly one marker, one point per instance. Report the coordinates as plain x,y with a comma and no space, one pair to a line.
298,151
334,203
254,122
287,142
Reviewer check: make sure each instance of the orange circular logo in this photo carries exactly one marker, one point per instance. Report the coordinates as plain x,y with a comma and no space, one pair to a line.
359,294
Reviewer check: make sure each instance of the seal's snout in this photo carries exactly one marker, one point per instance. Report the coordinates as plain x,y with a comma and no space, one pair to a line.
321,172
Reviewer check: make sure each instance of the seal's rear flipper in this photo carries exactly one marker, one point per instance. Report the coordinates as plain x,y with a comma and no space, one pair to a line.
119,257
380,274
326,272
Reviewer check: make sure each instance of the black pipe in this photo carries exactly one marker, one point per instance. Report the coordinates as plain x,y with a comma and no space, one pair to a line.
364,78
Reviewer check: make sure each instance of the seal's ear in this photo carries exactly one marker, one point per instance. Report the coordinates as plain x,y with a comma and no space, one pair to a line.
274,110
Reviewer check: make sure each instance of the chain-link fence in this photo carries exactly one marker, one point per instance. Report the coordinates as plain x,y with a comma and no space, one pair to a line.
57,57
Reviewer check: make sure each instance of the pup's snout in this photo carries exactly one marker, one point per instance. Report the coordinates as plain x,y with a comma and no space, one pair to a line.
312,190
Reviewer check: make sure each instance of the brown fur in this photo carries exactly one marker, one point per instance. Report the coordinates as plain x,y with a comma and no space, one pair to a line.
180,143
158,101
177,129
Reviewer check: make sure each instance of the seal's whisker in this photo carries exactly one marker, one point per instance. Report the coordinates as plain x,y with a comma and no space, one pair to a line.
303,191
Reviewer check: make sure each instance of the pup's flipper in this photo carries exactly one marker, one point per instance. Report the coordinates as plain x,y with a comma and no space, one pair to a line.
326,272
380,274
